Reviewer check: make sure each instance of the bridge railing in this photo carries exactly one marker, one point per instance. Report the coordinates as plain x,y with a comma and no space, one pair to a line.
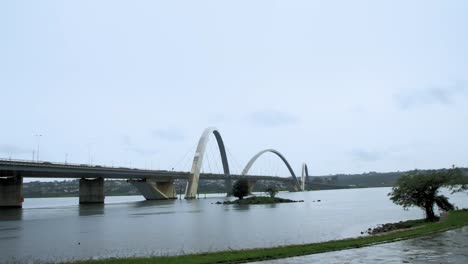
57,163
51,162
68,164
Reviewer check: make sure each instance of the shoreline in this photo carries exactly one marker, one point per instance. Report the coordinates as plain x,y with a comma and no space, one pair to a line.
453,220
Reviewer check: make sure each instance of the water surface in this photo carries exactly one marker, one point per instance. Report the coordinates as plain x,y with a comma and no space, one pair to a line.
55,229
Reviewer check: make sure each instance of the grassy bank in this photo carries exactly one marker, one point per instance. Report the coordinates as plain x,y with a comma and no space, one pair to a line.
453,220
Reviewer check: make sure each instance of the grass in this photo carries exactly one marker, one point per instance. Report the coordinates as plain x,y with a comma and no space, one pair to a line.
454,219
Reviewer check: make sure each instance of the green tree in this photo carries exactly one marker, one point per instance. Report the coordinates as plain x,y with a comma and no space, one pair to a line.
421,189
240,188
272,191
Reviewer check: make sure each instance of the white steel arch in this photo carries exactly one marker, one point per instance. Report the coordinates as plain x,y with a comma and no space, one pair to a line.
277,153
304,176
192,184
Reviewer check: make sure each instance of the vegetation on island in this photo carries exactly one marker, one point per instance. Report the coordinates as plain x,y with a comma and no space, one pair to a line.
422,189
240,188
454,219
260,200
271,191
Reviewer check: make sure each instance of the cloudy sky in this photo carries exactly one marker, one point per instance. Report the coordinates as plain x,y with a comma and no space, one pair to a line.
346,86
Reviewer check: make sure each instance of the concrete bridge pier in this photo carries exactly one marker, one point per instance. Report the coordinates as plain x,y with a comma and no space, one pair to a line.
91,190
293,187
11,192
251,185
228,185
155,189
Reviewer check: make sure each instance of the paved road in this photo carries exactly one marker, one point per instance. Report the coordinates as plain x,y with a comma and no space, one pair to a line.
447,247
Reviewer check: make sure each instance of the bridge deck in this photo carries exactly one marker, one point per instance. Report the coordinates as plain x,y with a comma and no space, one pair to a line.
78,171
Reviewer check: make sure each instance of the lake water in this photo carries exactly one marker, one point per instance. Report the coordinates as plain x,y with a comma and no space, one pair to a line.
57,229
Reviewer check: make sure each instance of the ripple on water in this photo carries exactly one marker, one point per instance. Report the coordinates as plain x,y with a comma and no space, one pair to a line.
8,237
9,229
165,213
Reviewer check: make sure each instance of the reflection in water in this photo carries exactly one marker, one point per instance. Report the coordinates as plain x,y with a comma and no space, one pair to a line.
154,213
152,203
11,214
241,207
247,207
91,209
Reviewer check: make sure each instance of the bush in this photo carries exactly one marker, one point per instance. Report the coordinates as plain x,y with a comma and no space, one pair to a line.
272,191
421,189
240,188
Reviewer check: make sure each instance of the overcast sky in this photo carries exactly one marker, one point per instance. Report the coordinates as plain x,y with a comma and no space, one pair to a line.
346,86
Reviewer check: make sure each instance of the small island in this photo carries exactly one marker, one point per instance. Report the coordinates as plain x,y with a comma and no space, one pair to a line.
240,189
260,200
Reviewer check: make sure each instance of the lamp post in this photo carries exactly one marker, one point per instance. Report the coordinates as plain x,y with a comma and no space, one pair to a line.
38,136
90,159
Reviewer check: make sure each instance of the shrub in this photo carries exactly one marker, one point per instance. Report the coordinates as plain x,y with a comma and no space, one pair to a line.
272,191
240,188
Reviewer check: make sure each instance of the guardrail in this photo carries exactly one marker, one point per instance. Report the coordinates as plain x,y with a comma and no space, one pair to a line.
99,167
68,164
52,163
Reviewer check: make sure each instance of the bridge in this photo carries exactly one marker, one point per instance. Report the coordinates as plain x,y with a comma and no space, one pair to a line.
152,184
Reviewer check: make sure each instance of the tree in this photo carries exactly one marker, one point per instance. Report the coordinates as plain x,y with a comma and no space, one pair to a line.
240,188
272,191
421,189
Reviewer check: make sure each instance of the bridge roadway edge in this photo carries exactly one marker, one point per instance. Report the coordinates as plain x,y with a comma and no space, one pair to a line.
25,169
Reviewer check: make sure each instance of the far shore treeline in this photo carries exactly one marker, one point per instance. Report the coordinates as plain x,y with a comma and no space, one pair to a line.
69,187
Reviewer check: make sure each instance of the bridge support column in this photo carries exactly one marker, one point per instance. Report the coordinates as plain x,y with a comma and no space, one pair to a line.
92,190
192,187
11,192
293,187
251,185
155,189
228,185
